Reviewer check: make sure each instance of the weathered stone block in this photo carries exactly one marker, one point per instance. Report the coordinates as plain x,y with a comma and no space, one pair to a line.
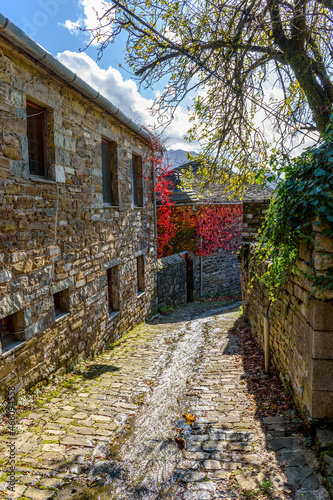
12,153
320,315
320,374
20,168
321,404
5,276
322,344
323,243
62,285
60,173
322,261
34,329
11,304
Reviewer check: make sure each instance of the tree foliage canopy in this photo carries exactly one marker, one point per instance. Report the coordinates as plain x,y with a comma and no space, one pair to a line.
228,54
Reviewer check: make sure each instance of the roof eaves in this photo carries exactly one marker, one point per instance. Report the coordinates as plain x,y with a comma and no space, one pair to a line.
15,35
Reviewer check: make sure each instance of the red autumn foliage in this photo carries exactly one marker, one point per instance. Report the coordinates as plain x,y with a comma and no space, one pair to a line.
201,230
166,229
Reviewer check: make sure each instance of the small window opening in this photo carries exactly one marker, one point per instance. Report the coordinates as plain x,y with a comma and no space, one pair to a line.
110,173
61,303
36,139
12,331
113,289
140,273
137,181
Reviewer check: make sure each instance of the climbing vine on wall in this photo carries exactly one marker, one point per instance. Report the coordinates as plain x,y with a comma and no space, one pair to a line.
303,202
202,230
166,229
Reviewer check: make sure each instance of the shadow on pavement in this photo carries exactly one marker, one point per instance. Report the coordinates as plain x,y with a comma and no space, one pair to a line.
285,434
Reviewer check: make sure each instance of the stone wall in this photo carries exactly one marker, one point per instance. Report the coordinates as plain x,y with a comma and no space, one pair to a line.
253,218
57,238
220,274
301,328
171,281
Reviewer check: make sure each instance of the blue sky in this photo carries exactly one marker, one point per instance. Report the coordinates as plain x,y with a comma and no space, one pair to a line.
52,23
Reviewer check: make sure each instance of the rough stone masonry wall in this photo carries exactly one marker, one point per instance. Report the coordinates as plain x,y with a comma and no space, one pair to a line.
301,330
171,281
220,273
253,218
44,250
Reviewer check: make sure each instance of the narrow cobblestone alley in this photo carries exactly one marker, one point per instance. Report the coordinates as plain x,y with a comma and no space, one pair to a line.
169,412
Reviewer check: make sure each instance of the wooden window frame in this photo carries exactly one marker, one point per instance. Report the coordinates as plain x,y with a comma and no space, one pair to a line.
140,273
137,179
113,294
43,144
112,182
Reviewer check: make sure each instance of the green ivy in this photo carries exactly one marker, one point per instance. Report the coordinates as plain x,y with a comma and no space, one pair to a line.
303,197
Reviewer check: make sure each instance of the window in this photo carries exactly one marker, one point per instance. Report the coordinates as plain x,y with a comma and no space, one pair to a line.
36,139
137,181
61,303
140,264
12,331
113,289
109,172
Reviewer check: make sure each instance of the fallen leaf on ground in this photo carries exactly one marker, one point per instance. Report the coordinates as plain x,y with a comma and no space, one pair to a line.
180,443
189,418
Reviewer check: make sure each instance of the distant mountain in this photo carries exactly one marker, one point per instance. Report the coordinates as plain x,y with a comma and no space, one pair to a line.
175,157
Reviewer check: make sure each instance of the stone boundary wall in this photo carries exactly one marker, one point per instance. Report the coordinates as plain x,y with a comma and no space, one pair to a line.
57,235
171,281
220,274
301,329
253,218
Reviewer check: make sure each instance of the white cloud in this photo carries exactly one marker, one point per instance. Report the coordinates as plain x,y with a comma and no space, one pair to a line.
125,95
71,26
92,9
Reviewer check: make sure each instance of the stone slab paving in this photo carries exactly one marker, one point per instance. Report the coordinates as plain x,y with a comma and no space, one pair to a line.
228,451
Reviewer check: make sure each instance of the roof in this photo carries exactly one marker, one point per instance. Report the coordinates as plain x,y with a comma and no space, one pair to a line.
24,43
214,193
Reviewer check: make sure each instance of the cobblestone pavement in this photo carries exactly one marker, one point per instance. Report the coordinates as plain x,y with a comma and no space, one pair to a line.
167,413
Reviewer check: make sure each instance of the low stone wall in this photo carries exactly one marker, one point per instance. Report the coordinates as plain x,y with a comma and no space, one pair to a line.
301,329
171,281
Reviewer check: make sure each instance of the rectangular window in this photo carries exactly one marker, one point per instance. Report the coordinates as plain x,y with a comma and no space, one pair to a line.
137,181
140,264
109,172
113,289
61,303
36,139
12,331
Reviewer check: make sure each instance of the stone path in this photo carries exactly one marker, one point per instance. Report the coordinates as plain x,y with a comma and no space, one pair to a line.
109,432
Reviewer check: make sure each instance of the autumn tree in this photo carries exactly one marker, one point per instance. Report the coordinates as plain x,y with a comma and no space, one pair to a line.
227,55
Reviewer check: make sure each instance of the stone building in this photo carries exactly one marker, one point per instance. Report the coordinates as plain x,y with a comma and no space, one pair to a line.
77,242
